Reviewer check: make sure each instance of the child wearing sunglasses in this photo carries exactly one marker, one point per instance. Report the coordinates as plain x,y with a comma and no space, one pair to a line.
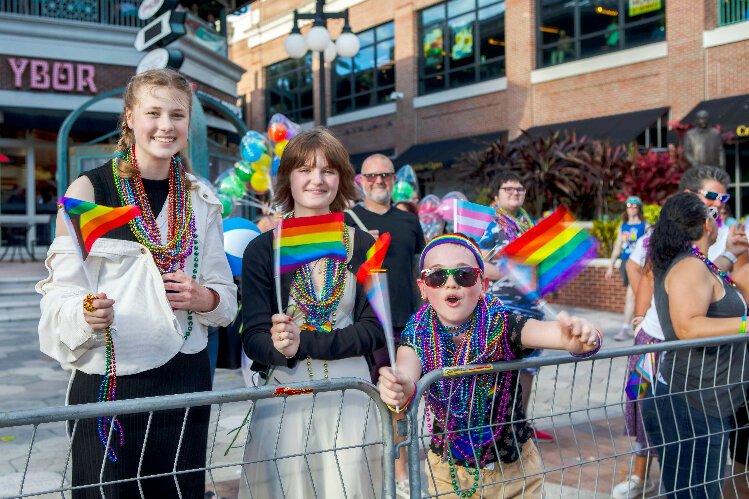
481,443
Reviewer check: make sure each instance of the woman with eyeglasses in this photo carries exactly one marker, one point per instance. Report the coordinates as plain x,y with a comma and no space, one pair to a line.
688,418
511,221
326,329
632,228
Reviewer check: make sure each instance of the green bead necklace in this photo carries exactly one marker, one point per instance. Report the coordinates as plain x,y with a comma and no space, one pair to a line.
194,277
454,477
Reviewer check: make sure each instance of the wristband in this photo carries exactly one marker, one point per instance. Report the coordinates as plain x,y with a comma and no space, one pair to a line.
636,321
592,352
393,409
742,329
730,257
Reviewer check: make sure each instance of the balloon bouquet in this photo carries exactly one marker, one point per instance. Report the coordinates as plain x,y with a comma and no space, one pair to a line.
436,216
251,177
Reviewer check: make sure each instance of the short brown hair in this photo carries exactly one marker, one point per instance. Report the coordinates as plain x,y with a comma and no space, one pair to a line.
298,152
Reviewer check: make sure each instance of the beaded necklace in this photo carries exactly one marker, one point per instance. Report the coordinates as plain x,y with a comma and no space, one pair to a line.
460,404
320,314
514,226
181,221
693,249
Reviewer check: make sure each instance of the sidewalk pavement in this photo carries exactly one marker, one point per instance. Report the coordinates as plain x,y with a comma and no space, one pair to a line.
584,438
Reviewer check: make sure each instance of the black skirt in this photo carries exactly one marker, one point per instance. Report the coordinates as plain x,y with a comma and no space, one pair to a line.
184,373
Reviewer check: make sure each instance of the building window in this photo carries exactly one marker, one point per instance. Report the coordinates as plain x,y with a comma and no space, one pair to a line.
288,89
656,135
461,42
575,29
368,78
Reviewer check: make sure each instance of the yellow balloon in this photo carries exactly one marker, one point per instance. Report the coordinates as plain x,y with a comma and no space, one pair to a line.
262,164
280,147
260,182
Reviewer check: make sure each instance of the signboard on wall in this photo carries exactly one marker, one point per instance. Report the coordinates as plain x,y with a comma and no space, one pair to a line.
69,77
637,7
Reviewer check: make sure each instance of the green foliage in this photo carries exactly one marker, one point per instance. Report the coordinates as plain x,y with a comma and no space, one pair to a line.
559,168
651,213
606,231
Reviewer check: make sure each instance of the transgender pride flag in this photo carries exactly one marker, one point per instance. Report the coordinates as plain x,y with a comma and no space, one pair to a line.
472,219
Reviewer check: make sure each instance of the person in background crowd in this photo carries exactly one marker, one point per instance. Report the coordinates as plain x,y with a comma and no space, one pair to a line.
696,390
511,221
631,229
709,183
325,329
167,266
377,215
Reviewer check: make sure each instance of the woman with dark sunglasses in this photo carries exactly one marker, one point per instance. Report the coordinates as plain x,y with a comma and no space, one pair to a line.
480,439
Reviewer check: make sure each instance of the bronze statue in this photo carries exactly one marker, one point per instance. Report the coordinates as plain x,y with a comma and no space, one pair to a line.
703,145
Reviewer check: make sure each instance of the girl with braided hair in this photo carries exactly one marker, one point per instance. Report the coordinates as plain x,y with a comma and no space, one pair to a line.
162,281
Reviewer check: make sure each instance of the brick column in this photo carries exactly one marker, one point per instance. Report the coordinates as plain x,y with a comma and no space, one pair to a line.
520,49
406,72
685,23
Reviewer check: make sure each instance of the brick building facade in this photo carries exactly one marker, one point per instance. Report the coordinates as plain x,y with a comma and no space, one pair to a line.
694,60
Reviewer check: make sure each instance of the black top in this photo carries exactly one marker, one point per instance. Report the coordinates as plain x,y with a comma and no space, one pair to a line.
714,377
407,240
105,194
259,303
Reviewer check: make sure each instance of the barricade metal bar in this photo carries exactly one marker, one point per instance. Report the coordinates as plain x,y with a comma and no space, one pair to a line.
71,415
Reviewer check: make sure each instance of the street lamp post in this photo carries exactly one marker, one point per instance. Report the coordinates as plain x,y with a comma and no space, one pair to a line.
318,40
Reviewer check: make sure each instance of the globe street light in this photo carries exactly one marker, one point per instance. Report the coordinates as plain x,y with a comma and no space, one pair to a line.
318,40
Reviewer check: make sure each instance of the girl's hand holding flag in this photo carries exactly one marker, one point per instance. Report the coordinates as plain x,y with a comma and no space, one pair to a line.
285,335
100,313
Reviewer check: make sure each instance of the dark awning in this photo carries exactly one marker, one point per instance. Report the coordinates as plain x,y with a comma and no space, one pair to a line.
444,153
358,158
618,128
728,113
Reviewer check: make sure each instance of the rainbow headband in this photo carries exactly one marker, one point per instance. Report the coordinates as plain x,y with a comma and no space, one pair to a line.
458,239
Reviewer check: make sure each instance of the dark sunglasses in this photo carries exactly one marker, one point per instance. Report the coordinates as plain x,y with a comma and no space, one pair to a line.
465,277
373,176
712,196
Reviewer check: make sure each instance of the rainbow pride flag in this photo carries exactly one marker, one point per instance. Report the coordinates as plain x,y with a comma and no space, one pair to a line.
557,247
306,239
375,257
87,222
472,219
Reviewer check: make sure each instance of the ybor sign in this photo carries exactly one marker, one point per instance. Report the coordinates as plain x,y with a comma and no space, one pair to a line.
38,74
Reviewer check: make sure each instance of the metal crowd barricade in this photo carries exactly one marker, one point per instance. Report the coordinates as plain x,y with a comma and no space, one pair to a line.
223,463
580,402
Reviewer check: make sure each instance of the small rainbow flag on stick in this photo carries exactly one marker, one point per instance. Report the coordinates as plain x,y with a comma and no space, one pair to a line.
375,257
472,219
87,222
306,239
558,247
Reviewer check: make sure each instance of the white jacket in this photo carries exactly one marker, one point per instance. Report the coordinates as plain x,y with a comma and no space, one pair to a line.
146,332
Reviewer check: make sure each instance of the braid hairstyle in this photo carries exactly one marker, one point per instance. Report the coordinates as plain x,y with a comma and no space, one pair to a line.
153,78
682,221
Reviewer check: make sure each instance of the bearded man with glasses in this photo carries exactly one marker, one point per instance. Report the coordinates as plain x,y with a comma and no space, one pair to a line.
377,215
511,221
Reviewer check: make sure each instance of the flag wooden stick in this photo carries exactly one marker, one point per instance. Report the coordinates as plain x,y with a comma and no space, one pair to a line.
277,266
71,233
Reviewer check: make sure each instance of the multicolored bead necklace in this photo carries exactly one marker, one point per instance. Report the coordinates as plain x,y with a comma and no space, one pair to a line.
461,406
107,389
181,222
317,312
693,249
514,226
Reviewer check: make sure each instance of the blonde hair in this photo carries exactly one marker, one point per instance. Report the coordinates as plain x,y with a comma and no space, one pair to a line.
166,78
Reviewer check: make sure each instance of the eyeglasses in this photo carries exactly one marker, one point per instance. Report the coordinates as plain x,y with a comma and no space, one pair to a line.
510,190
465,277
713,212
712,196
371,177
633,205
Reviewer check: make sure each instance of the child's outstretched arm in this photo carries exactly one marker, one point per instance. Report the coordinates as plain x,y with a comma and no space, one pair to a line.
397,390
574,334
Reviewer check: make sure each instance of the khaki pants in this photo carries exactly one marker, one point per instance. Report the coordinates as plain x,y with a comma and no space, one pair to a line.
523,478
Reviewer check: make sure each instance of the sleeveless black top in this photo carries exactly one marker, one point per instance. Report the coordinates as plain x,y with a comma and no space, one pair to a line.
105,194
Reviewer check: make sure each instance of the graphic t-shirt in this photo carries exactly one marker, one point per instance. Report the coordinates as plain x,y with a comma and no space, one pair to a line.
630,233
